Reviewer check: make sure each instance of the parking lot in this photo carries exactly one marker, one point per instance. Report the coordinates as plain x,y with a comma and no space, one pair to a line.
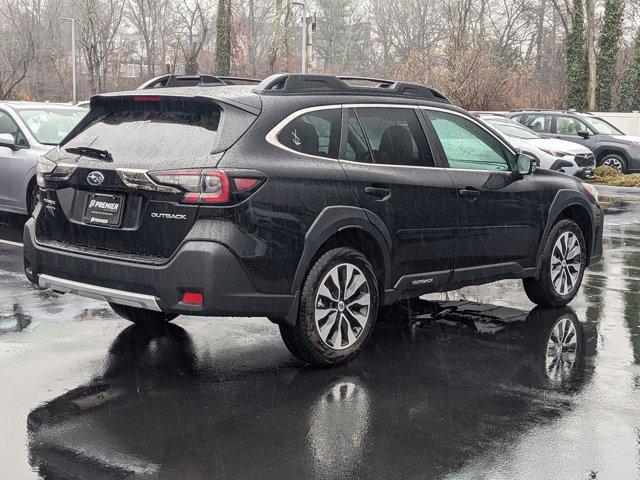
457,386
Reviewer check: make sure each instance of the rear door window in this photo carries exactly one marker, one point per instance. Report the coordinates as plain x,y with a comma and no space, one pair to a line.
315,133
151,131
395,136
538,123
570,126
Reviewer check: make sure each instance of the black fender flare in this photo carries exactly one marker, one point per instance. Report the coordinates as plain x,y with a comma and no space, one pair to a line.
330,221
617,150
563,200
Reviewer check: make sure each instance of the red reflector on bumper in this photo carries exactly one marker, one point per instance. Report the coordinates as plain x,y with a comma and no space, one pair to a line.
192,298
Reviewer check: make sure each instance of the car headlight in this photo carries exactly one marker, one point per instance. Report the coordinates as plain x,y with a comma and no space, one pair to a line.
555,153
44,167
591,190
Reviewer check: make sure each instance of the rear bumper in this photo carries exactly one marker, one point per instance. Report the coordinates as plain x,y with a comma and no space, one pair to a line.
198,266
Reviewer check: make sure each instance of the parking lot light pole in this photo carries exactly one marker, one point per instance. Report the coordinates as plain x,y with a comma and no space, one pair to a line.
73,57
304,35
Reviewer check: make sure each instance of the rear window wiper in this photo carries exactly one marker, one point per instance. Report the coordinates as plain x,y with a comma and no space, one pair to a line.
91,152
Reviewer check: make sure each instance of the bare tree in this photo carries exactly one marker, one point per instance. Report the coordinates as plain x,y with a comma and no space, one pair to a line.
149,17
279,41
481,53
18,30
194,20
99,25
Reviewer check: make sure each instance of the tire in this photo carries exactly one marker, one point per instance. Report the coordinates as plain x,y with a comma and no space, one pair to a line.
615,161
140,316
343,312
541,289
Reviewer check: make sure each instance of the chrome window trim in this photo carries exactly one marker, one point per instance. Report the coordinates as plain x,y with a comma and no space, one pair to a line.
272,136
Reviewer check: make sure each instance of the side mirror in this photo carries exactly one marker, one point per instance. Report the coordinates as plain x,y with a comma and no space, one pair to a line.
525,165
583,134
7,140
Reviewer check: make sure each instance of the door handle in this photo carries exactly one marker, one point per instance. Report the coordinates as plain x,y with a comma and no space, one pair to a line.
470,194
381,194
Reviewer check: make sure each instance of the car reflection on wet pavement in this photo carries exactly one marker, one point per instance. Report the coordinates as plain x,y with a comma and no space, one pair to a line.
474,384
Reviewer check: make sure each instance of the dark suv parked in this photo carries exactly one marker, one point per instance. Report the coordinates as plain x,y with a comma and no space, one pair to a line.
307,200
611,146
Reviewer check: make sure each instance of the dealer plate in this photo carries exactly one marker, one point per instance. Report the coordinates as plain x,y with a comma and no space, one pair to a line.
104,209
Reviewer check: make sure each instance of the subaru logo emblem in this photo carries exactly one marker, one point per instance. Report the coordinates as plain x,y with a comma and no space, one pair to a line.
95,178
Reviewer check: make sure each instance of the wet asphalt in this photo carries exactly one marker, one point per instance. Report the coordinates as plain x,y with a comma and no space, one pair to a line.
455,386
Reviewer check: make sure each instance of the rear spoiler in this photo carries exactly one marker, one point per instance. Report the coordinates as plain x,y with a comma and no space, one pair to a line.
150,95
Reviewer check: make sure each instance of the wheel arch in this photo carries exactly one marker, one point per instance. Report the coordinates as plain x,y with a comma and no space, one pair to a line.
571,205
345,226
609,149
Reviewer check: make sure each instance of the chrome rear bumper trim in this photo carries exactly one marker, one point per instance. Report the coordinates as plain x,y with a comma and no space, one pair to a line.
120,297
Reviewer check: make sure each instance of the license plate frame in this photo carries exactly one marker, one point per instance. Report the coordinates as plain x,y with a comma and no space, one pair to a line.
104,210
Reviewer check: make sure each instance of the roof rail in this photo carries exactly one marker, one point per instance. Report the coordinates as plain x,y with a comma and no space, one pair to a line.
203,80
310,84
171,80
381,81
561,110
232,80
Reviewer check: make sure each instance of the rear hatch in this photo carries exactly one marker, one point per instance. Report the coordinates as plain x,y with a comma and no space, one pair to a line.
106,203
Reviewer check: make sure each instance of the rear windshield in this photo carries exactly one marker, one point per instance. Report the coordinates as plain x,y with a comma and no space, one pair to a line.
152,130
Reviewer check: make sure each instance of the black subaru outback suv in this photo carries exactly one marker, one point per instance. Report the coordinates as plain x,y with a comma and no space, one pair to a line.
305,199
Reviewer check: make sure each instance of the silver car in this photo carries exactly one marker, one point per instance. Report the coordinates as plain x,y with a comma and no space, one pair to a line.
28,130
551,153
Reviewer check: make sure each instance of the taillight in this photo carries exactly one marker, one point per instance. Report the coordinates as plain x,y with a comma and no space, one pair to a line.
245,184
54,171
183,179
207,186
215,187
43,167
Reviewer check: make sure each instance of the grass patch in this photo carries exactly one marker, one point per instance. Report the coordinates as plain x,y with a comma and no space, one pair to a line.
610,176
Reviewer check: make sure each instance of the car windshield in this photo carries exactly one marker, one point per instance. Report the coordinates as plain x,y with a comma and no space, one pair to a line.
512,129
49,125
604,127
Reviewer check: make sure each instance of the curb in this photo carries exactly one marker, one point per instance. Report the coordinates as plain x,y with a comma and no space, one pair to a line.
611,191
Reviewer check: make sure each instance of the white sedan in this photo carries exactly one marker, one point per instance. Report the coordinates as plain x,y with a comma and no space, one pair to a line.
551,153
